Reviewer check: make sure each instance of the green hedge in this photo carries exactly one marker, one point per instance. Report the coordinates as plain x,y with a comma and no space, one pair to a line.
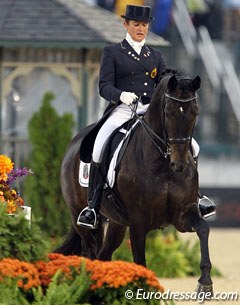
49,134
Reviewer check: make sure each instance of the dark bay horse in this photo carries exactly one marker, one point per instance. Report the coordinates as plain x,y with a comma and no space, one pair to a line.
157,181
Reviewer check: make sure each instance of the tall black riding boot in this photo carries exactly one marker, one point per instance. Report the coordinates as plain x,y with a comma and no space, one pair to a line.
206,206
88,216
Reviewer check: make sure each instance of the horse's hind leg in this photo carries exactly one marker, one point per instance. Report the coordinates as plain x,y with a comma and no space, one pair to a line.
82,242
138,242
91,241
72,244
112,240
204,282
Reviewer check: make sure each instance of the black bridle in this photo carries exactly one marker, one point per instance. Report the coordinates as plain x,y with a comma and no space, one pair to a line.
161,144
183,101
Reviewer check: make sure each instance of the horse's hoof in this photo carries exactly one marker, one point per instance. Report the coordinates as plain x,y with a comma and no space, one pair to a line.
207,290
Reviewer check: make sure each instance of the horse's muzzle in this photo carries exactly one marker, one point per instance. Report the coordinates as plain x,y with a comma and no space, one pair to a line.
178,166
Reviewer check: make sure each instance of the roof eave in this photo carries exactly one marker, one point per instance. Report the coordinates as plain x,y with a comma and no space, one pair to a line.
52,44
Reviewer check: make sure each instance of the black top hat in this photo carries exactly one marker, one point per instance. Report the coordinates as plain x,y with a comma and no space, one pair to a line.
137,12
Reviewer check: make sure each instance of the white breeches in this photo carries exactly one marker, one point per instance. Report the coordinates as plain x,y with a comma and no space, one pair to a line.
120,115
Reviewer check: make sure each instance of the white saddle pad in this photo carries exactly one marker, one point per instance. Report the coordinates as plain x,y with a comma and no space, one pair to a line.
84,168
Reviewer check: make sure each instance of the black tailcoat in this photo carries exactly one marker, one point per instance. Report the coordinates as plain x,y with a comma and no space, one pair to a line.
122,69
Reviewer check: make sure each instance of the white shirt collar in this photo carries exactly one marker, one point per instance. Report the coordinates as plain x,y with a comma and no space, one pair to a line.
137,46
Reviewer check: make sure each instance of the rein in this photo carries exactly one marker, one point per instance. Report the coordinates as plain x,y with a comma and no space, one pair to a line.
162,146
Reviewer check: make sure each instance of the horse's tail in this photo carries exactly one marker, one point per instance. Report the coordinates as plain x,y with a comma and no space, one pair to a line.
71,245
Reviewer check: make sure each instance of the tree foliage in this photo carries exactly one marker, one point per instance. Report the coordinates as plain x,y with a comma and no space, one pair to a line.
49,134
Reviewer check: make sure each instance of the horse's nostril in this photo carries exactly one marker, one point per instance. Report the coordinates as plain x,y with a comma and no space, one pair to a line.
180,168
177,167
174,167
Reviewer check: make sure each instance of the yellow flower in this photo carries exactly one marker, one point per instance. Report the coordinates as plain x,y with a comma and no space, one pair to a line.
13,192
6,165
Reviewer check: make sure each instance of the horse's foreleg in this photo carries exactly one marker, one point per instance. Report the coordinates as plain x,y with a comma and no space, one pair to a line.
138,243
204,282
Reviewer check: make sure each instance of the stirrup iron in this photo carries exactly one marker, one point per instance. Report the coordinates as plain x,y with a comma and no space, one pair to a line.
87,225
211,205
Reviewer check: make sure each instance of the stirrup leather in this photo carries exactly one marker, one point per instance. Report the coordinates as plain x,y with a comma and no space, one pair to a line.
87,225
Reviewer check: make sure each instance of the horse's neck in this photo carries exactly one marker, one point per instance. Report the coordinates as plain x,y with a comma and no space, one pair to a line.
153,117
144,145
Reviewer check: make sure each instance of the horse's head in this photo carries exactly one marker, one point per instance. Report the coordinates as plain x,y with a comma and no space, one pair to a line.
180,110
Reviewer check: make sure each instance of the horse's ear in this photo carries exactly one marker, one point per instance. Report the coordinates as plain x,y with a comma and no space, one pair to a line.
172,83
196,83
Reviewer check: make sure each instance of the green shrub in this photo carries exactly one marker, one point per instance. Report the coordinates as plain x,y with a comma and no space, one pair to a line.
57,293
49,135
192,253
19,239
63,292
165,257
9,293
167,254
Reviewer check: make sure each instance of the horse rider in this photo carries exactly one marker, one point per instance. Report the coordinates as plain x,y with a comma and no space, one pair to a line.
129,70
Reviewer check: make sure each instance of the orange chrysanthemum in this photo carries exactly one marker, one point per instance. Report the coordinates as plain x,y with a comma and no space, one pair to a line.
26,273
113,275
103,274
6,165
60,262
118,273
